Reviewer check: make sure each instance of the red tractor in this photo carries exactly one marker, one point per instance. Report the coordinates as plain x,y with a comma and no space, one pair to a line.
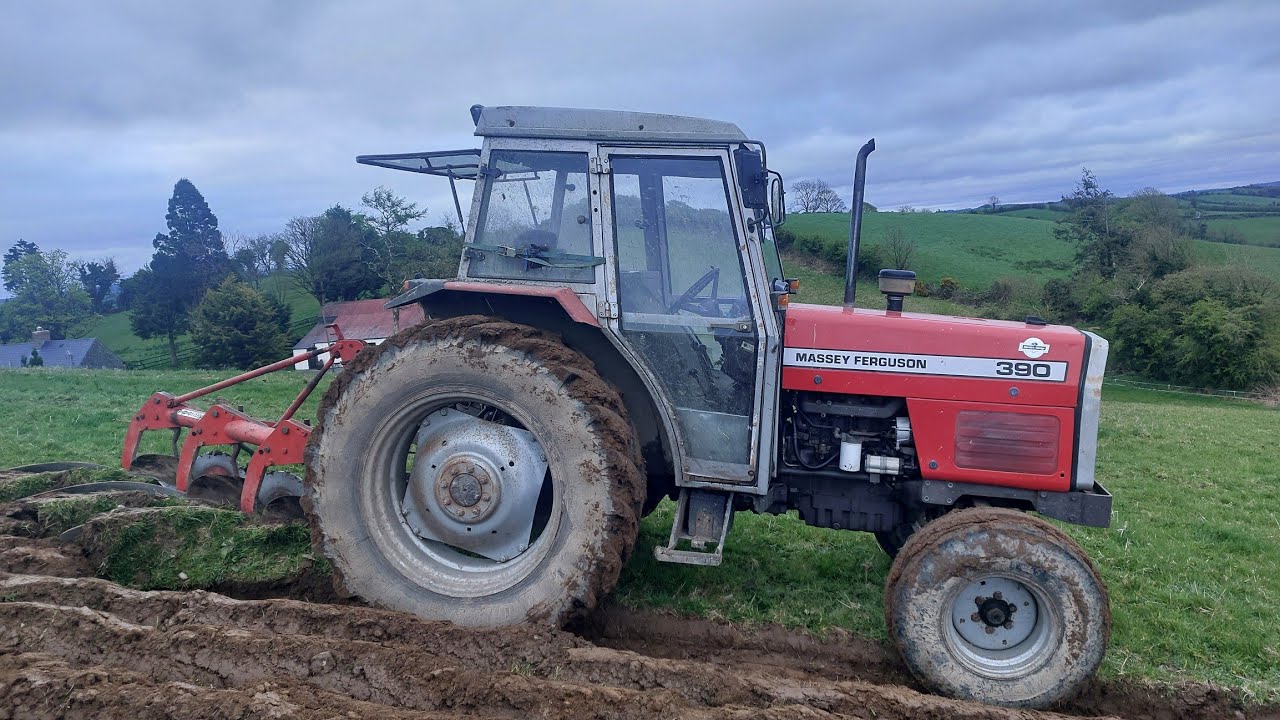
620,331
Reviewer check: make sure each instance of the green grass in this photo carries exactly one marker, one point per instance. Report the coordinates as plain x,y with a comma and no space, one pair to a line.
1264,231
1264,260
975,250
208,546
51,414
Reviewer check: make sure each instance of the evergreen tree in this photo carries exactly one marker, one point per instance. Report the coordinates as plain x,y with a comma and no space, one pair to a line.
236,326
188,260
20,249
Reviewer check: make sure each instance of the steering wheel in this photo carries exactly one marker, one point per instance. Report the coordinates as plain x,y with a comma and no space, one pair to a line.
685,299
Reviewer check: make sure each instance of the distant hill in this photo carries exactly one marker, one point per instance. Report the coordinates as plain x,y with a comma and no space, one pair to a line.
1244,215
976,249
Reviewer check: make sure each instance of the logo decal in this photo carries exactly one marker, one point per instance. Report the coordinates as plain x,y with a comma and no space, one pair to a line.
1034,347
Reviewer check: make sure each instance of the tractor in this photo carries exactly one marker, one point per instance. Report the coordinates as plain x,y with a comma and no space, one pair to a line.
621,331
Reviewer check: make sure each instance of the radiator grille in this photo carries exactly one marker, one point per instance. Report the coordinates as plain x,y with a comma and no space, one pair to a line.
1007,442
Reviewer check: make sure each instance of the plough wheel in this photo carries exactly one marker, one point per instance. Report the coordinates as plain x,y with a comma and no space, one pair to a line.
474,471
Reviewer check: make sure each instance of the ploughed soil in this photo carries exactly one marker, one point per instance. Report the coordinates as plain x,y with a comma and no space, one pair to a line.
76,646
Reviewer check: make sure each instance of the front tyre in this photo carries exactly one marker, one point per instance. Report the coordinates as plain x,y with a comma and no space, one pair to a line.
997,606
475,471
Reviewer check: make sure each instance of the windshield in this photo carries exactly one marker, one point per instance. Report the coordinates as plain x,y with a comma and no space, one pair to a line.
535,218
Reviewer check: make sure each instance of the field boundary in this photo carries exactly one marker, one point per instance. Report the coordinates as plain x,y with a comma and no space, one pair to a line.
1184,390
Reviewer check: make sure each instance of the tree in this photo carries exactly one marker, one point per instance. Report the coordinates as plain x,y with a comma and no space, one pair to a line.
157,307
251,256
34,361
20,249
994,202
899,248
47,293
1099,245
188,260
815,196
97,278
236,326
326,257
386,247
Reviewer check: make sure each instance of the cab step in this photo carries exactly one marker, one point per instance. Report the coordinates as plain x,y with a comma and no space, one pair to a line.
702,517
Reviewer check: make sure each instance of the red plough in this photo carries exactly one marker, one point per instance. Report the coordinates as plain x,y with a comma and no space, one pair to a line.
279,442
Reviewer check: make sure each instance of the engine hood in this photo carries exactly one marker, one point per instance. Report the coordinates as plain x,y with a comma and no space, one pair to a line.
879,352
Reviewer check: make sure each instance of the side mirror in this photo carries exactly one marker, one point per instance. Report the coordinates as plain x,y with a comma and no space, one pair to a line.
777,200
751,178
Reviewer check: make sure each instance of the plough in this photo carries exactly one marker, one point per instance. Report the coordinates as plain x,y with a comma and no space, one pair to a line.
274,443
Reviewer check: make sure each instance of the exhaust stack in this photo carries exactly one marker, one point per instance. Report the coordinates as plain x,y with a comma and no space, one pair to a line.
855,223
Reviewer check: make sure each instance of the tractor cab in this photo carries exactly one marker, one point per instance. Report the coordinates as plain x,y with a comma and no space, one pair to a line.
660,228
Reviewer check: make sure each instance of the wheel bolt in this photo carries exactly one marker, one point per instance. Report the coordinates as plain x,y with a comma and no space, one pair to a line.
975,617
991,630
1008,625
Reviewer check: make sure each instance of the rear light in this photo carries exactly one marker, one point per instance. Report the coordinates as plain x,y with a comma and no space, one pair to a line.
1007,442
781,301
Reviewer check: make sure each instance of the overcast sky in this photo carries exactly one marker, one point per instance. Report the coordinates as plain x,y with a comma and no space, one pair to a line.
104,105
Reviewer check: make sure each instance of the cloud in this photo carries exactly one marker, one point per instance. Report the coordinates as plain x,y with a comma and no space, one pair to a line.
265,105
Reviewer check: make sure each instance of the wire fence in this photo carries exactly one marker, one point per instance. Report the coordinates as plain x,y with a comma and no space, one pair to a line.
187,353
1184,390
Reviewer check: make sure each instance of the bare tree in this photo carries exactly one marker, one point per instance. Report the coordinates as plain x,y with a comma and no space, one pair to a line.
907,209
815,196
994,202
251,254
390,218
899,248
298,242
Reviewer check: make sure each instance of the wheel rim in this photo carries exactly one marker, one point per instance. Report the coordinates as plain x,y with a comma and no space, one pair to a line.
1001,626
402,495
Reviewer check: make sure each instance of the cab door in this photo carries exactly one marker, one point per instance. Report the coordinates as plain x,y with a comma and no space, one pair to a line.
687,305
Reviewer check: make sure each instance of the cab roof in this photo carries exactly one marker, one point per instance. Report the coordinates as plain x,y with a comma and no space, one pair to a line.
578,124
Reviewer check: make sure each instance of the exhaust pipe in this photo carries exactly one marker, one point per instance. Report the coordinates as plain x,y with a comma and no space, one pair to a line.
855,223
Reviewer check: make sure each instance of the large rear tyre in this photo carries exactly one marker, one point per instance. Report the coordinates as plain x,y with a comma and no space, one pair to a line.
997,606
474,471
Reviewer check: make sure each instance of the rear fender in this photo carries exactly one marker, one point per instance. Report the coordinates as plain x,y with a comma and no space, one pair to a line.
561,311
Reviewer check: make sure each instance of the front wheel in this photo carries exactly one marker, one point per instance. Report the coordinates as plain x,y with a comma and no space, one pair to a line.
474,471
997,606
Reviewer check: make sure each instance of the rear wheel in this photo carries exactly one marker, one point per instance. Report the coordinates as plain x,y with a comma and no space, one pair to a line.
474,471
997,606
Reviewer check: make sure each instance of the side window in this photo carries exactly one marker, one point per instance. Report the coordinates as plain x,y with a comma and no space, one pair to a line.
677,249
535,218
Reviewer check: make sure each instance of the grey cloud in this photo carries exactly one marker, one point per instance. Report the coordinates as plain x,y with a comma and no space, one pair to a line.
264,105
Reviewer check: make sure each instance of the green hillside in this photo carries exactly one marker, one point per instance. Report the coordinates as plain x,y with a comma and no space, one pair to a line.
1248,214
114,330
973,249
977,249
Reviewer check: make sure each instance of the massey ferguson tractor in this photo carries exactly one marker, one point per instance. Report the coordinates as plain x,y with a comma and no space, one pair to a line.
620,331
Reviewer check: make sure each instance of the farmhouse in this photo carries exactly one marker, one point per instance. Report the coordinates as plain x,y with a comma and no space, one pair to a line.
76,353
365,320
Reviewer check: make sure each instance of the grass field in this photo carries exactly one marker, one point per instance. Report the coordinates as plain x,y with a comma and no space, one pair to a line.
1192,557
976,249
1264,231
973,249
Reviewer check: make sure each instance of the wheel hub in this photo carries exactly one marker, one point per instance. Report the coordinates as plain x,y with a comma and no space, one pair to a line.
994,613
465,488
474,484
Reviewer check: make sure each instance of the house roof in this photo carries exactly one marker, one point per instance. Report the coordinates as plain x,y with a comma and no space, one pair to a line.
359,320
56,353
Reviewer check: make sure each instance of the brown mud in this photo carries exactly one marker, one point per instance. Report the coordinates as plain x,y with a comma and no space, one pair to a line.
74,646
